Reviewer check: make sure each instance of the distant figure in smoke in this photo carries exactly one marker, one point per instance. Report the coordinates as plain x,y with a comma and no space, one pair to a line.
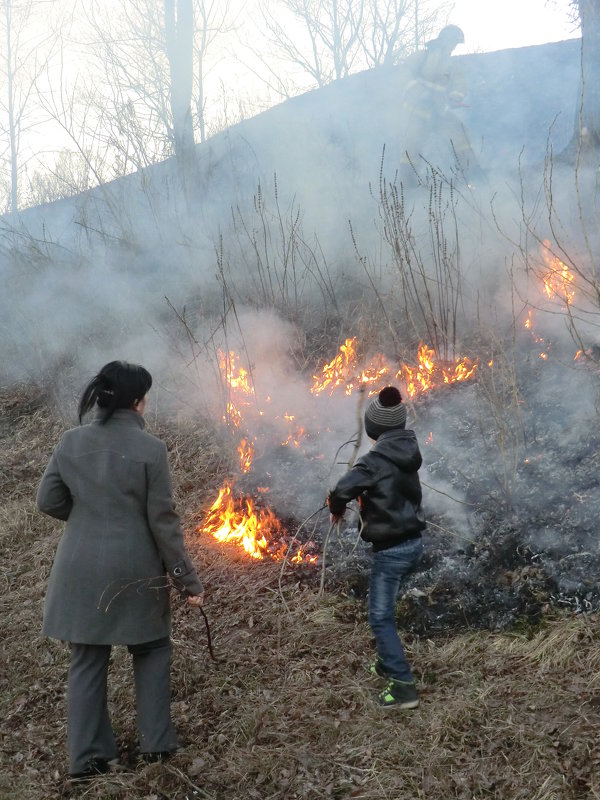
110,481
435,86
386,482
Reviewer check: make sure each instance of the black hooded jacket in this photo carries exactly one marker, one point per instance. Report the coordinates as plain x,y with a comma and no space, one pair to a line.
386,482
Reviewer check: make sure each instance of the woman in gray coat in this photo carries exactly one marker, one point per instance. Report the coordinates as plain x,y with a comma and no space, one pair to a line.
110,481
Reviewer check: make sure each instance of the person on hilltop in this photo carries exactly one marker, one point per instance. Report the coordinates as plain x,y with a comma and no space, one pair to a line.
109,480
435,87
386,482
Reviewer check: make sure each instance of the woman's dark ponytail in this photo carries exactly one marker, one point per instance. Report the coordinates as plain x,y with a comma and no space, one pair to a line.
117,385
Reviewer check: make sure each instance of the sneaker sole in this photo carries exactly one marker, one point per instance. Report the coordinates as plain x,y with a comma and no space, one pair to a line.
411,704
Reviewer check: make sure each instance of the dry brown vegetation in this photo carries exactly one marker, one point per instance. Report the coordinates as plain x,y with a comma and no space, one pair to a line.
288,710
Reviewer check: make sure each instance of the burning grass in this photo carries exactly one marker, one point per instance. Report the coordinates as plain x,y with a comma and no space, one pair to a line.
287,711
345,371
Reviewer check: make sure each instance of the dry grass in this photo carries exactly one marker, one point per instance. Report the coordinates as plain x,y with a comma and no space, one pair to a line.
288,711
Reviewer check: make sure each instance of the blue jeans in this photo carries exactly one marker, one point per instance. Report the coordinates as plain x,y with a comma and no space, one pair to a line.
389,568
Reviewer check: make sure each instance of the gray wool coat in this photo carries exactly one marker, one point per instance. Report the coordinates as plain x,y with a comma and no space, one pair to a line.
108,584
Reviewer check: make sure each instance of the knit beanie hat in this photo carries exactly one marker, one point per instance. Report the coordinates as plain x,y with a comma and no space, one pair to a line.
386,412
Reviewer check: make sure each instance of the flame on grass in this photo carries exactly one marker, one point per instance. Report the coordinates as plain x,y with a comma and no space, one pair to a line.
246,454
529,325
239,388
343,371
234,518
429,372
557,278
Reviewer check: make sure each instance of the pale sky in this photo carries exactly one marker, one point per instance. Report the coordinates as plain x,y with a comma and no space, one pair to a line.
499,24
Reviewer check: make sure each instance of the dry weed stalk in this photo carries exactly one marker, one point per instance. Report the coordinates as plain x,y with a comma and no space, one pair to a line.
276,266
500,397
427,262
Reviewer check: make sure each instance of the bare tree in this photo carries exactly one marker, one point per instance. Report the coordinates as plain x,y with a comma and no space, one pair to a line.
213,19
179,37
394,28
586,131
23,59
319,38
328,40
71,173
391,29
589,14
155,59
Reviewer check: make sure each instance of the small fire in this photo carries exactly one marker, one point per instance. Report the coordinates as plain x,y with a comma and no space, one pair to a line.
233,519
338,371
431,373
537,339
428,373
558,280
237,377
246,454
239,388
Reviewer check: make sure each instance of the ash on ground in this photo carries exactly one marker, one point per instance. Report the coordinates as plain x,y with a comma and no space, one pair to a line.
512,500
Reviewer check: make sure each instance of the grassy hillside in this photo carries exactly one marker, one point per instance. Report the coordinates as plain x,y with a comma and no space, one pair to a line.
287,711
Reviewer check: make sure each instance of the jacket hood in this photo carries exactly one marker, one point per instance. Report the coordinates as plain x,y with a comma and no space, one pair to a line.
400,447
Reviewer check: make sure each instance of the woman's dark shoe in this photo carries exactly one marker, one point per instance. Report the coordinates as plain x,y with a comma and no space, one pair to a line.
95,767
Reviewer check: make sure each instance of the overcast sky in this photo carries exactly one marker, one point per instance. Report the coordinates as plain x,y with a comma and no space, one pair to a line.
496,25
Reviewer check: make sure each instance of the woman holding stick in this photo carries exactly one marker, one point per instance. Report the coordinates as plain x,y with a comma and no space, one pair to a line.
110,482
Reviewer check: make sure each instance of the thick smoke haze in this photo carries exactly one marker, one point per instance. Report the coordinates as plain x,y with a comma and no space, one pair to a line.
286,229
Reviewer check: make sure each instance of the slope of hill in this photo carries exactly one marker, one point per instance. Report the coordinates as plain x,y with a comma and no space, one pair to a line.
331,141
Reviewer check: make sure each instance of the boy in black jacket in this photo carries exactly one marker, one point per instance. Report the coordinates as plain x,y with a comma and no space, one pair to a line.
386,482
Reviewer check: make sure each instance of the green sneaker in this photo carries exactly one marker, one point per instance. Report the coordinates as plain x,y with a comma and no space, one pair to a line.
399,694
377,669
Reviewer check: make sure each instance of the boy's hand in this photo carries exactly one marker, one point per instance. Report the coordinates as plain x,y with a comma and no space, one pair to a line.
334,518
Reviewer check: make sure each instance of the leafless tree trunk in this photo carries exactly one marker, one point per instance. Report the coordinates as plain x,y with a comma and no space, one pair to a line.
154,56
12,121
212,19
23,59
586,131
179,38
589,12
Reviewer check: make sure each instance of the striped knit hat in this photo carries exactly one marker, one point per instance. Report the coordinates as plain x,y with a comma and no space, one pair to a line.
386,412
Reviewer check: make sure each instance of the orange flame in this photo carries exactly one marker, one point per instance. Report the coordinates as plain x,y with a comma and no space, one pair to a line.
430,374
337,371
246,454
558,280
235,519
236,377
537,339
239,387
343,372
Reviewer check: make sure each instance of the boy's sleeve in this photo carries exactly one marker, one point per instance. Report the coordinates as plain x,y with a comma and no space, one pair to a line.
354,482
